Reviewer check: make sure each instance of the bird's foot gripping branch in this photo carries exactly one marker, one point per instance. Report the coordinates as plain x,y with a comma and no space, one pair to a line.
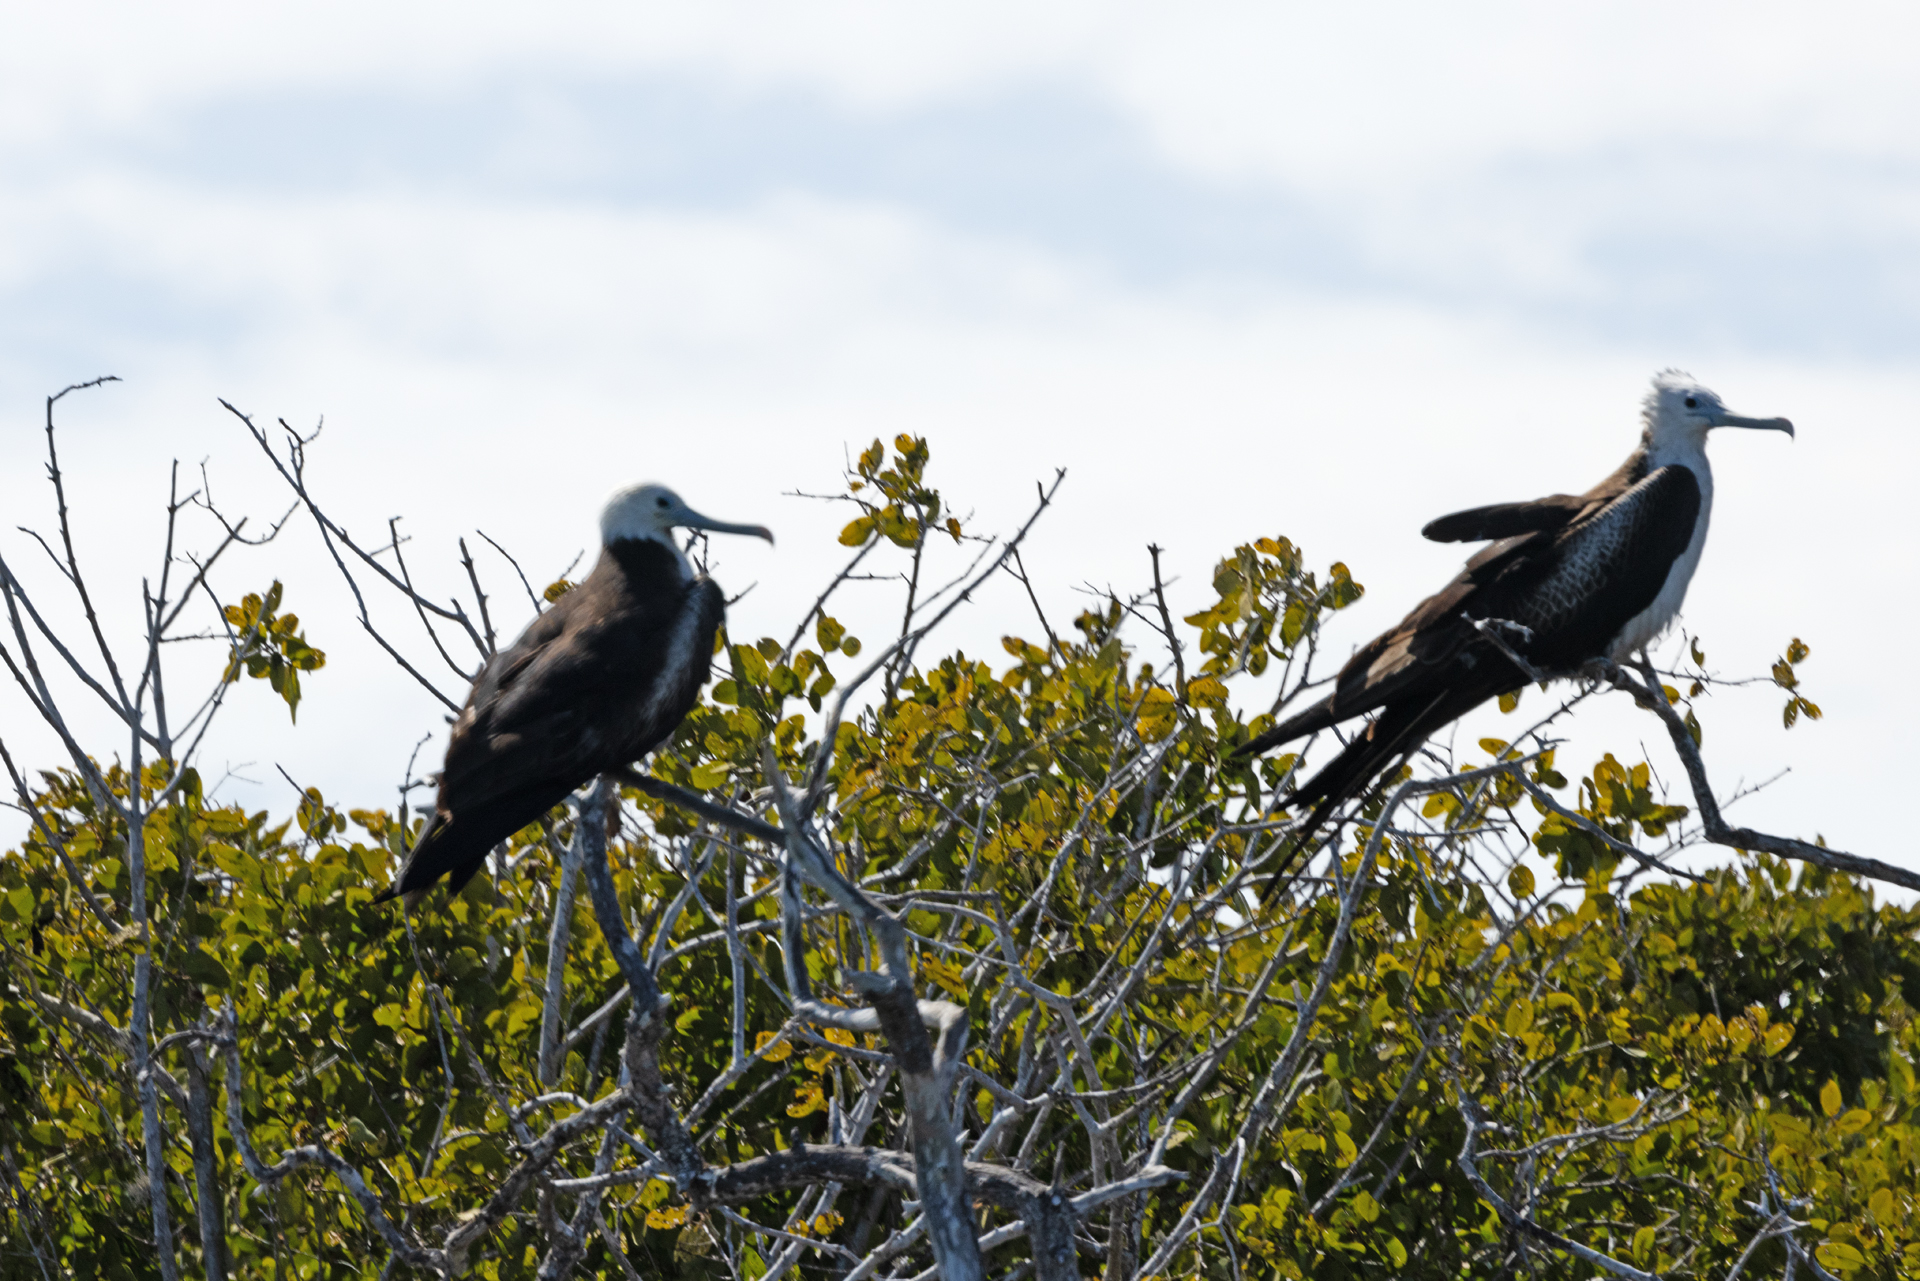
974,975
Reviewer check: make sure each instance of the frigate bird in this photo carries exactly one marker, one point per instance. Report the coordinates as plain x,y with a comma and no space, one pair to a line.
593,684
1568,578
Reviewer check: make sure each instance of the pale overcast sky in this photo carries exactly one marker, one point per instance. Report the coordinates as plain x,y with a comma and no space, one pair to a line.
1324,271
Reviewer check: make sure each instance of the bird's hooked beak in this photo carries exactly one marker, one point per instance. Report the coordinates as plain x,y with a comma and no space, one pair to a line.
691,519
1725,419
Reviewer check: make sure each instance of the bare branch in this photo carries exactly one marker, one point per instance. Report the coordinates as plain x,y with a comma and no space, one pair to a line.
1651,696
1166,626
1476,1121
925,1074
660,789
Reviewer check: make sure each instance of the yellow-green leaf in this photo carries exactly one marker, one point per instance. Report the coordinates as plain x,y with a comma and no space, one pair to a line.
946,974
1520,881
1207,691
1840,1256
709,776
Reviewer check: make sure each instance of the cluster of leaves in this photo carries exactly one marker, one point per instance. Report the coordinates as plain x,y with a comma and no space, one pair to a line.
1787,678
269,646
1268,603
895,501
345,1043
1613,798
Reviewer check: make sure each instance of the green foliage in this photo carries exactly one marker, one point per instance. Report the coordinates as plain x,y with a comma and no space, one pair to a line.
1713,1035
1749,996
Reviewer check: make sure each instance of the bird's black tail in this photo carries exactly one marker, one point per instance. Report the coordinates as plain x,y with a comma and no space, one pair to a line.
1397,731
439,851
1318,717
455,845
415,864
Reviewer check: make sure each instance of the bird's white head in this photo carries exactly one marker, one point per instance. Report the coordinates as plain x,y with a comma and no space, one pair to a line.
654,511
1679,413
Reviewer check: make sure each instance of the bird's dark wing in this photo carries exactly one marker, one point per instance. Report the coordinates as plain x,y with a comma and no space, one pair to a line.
1426,646
1507,520
507,665
533,692
1542,515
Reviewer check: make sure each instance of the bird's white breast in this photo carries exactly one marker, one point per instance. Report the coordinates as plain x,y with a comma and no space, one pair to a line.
1646,626
677,665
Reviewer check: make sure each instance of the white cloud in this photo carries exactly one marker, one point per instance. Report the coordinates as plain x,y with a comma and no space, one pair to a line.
1351,95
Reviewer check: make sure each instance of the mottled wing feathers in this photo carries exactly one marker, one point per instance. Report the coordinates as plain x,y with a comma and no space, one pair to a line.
1601,573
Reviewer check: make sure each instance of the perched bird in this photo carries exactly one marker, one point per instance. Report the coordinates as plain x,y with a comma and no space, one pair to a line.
1568,579
596,682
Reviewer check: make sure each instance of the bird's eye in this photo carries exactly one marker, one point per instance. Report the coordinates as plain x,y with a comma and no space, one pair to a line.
661,502
1691,404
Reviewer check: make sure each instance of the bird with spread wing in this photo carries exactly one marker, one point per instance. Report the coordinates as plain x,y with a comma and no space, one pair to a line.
1565,579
